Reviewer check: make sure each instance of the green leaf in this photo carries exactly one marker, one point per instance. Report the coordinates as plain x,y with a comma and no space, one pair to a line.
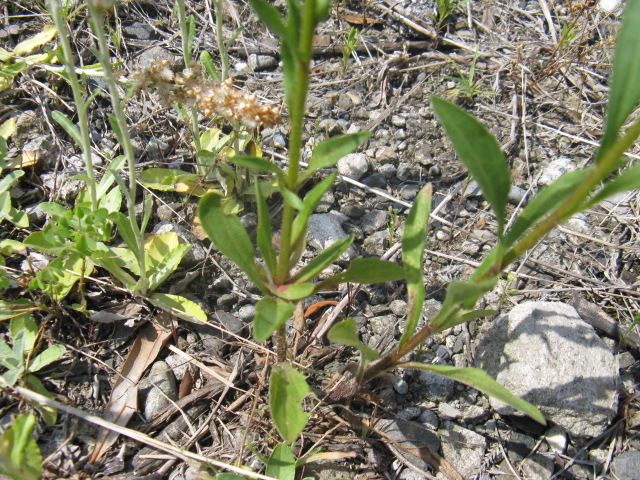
256,164
346,333
310,202
30,44
323,10
125,231
625,87
480,380
167,266
287,388
228,235
270,17
207,63
293,291
9,179
180,307
543,203
68,125
463,295
49,414
50,355
290,198
327,153
625,181
270,315
109,177
191,35
366,270
20,457
229,476
264,235
480,153
27,326
413,239
326,258
164,179
281,463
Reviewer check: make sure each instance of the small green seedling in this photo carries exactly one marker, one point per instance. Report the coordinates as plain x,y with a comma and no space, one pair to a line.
468,83
444,9
350,44
20,457
20,365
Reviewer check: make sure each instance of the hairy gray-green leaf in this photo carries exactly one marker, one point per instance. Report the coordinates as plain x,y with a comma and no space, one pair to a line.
413,238
480,153
287,389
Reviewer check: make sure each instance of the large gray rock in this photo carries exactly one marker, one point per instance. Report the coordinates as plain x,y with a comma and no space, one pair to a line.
544,353
627,465
325,229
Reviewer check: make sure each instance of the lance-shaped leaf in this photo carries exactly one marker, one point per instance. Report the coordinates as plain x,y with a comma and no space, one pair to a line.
542,204
346,333
324,259
167,265
480,380
257,164
68,125
413,238
327,153
20,457
287,389
270,17
627,180
264,236
309,204
625,87
270,315
228,235
281,463
480,153
293,291
50,355
365,270
180,307
460,296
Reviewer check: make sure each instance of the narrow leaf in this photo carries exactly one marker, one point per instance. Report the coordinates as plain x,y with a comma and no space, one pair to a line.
625,87
167,266
480,153
324,259
366,270
27,326
460,296
228,235
207,62
413,239
627,180
346,333
30,44
68,125
281,463
543,203
310,202
294,291
20,457
270,17
287,388
290,197
270,315
50,355
480,380
256,164
327,153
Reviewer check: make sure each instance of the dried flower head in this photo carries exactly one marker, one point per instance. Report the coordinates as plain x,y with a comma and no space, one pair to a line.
191,88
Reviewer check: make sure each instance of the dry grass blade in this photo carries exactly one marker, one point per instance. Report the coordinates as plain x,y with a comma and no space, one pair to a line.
124,396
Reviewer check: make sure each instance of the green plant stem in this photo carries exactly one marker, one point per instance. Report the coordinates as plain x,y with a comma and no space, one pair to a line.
222,46
184,30
95,20
81,107
296,123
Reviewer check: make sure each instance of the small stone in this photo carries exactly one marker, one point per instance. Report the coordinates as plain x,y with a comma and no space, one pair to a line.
430,419
442,236
434,171
161,390
411,435
230,322
374,221
354,165
409,413
153,56
405,171
179,366
376,243
555,170
377,180
139,30
354,210
383,325
557,439
246,313
463,448
447,410
443,352
325,229
436,386
409,192
262,62
627,465
398,121
400,385
398,307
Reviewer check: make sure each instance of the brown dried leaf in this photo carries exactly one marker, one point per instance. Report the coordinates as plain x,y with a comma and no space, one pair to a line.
124,396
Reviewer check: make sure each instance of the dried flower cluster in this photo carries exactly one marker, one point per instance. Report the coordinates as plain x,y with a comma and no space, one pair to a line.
192,88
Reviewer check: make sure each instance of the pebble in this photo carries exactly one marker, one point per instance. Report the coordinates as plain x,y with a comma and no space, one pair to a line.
246,313
446,410
374,221
262,62
354,165
400,385
162,390
430,419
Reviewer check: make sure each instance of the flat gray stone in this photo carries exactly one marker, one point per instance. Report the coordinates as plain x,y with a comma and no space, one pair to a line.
544,353
410,435
162,390
463,448
626,466
325,229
